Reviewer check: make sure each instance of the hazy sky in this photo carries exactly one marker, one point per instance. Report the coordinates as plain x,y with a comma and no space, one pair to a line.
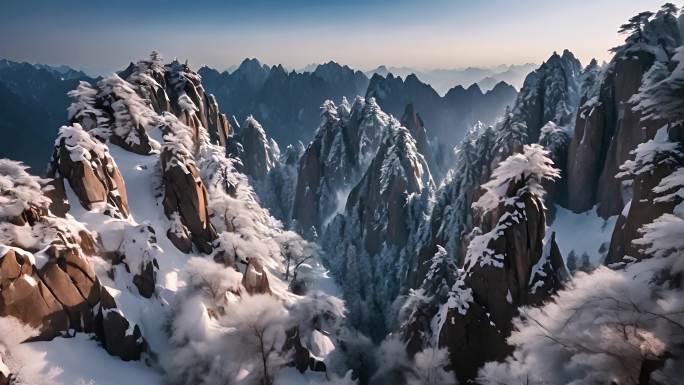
101,36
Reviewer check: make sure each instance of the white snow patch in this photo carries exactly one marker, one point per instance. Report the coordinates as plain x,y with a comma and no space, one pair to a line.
69,354
582,233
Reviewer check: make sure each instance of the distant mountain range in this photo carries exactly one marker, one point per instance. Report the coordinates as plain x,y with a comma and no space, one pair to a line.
287,103
442,80
33,102
448,117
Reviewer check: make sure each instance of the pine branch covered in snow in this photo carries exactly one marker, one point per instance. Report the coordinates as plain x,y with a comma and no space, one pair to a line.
531,168
650,154
19,190
659,97
610,325
132,116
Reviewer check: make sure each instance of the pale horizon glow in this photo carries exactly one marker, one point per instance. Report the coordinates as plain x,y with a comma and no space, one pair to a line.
103,37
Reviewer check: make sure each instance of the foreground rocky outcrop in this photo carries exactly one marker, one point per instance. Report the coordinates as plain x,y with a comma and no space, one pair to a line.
185,197
103,270
92,174
46,280
508,265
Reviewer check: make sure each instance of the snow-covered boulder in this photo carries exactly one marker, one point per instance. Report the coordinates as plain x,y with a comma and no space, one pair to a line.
255,279
85,163
185,197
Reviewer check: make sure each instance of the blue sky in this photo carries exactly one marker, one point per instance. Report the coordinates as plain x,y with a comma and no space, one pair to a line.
102,36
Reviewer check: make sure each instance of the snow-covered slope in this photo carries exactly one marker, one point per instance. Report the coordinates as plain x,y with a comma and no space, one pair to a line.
179,242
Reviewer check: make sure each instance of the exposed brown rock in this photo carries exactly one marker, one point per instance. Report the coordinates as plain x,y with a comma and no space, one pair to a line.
63,295
5,380
299,355
185,195
113,331
219,128
28,216
181,240
146,280
255,279
60,203
26,297
139,251
94,177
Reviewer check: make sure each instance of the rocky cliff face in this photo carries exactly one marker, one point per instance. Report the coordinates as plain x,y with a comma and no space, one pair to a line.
259,152
607,126
654,165
510,264
412,120
185,197
369,242
335,160
549,94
